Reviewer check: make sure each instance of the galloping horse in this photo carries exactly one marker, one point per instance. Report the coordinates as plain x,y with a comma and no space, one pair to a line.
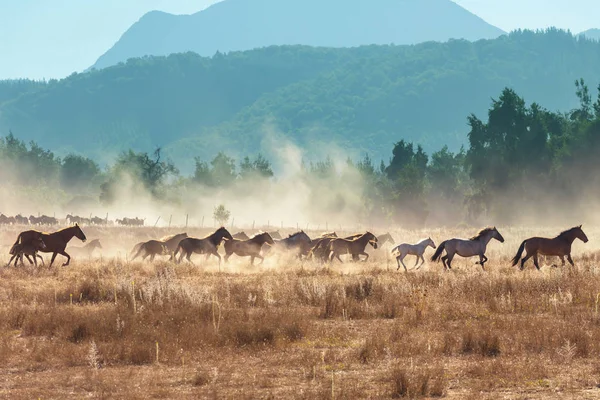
298,242
166,245
86,250
385,238
241,236
28,249
56,242
208,245
248,248
355,247
475,246
320,247
559,246
413,249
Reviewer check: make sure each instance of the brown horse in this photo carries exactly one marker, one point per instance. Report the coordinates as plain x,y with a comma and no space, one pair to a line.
298,242
560,246
320,248
355,247
56,242
241,236
165,246
86,250
28,249
208,245
248,248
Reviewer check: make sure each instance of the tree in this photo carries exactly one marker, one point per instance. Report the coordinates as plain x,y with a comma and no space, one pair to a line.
223,170
78,172
259,168
221,215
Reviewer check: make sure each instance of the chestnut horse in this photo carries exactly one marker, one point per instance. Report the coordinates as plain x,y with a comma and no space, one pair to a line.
355,247
560,246
248,248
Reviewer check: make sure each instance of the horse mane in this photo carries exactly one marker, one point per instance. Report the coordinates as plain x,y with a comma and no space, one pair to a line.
169,237
295,234
566,232
482,233
259,234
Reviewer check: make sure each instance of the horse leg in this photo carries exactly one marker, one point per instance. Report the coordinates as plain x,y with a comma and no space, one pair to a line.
535,261
562,259
422,261
252,260
524,260
400,259
11,260
570,260
444,261
262,259
449,261
363,254
482,260
152,257
41,258
416,262
52,259
216,254
66,255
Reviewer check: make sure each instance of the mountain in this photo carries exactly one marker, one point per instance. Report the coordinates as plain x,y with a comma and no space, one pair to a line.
234,25
591,34
356,100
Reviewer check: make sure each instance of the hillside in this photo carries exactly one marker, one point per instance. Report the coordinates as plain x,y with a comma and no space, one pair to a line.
591,34
234,25
360,99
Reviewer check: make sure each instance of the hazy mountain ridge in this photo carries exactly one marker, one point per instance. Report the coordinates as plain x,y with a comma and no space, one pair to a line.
361,99
233,25
591,34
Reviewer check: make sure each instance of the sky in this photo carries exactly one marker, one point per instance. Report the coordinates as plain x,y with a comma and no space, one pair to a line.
43,39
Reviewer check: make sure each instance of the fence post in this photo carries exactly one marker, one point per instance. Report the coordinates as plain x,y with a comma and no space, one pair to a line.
253,224
201,226
232,222
170,218
156,223
186,220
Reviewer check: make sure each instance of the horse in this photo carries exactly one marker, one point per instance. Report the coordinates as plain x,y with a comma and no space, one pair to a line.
166,245
86,250
275,235
248,248
385,238
559,246
298,242
28,249
208,245
475,246
241,236
355,247
56,242
21,220
413,249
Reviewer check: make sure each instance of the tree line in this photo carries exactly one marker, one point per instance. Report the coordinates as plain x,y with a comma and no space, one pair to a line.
523,157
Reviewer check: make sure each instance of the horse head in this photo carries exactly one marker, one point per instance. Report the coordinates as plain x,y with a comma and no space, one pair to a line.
79,233
497,235
39,243
223,233
431,243
372,239
579,234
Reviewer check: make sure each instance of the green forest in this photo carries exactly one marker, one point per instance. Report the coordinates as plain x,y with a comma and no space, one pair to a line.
360,99
520,157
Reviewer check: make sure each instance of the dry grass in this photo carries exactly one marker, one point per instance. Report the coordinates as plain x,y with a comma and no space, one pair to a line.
108,328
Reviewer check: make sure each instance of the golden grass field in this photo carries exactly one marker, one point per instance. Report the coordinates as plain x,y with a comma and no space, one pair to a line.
110,328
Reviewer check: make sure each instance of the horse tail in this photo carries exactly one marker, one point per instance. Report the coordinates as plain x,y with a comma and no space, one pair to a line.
438,253
516,258
395,249
139,252
14,249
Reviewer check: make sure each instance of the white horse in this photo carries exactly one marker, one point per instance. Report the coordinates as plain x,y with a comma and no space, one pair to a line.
475,246
414,250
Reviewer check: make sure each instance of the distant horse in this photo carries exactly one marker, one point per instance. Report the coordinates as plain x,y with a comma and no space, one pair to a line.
275,235
55,242
475,246
21,220
560,246
248,248
43,220
355,247
208,245
298,242
28,249
86,250
98,221
241,236
385,238
165,246
413,249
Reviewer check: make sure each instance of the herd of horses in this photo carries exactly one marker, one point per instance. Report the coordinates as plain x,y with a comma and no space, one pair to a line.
45,220
326,247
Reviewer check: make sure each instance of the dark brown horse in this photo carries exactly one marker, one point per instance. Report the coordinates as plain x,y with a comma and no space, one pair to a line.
165,246
248,248
298,243
208,245
28,249
56,242
355,247
320,248
560,246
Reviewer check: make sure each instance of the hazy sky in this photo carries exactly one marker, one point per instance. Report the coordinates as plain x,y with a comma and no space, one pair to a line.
52,38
